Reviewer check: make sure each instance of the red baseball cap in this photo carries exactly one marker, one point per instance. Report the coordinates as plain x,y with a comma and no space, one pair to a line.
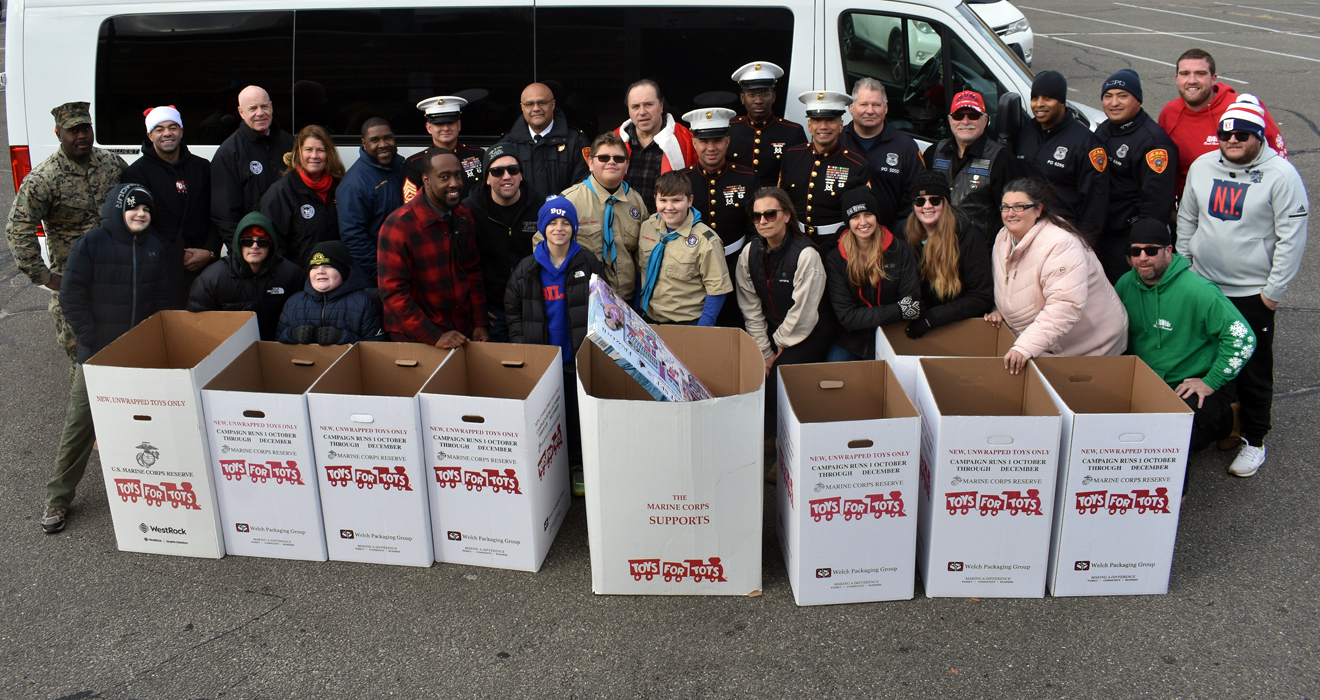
968,99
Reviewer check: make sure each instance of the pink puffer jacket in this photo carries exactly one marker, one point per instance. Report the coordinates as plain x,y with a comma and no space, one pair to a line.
1053,293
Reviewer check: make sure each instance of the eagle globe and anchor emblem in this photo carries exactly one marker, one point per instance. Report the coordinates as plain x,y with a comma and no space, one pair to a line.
148,456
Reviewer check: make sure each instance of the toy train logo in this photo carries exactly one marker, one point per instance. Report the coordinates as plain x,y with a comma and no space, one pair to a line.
177,495
369,478
1141,500
964,502
877,505
451,477
551,449
698,570
281,472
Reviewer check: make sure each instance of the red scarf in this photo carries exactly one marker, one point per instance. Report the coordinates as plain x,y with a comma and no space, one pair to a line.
320,186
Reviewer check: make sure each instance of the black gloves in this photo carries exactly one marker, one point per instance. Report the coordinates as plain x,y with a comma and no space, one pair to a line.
918,328
303,335
328,335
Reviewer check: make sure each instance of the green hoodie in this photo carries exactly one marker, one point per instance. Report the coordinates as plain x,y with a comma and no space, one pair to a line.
1184,327
254,218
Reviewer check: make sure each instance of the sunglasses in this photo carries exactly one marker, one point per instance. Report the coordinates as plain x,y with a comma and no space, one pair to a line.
1239,136
769,215
965,116
1151,251
250,242
617,159
510,169
935,200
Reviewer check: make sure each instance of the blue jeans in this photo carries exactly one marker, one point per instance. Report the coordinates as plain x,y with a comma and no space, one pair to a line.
838,354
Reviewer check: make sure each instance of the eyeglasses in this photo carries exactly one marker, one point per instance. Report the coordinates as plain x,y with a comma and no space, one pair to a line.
1239,136
1019,208
251,242
499,172
1151,251
935,200
537,103
617,159
770,215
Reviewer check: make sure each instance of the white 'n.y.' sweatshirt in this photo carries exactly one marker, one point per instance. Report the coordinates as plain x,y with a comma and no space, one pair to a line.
1243,226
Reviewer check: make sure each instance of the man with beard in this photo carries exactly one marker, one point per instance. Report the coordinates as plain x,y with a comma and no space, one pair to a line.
977,167
370,191
181,185
1242,224
1183,327
758,140
429,268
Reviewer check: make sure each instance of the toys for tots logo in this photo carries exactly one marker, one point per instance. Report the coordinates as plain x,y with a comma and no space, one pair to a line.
368,478
1117,503
551,449
698,570
451,477
964,502
877,505
259,472
177,495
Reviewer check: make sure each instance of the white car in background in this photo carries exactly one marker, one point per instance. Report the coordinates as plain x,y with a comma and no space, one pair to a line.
1009,23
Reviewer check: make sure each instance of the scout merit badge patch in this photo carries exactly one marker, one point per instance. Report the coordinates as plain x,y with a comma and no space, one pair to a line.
1097,156
691,240
1158,160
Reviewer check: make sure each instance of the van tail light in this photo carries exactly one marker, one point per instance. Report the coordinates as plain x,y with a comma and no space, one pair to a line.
20,160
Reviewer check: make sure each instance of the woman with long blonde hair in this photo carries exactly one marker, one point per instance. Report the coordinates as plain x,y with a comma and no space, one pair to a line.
952,260
301,205
872,278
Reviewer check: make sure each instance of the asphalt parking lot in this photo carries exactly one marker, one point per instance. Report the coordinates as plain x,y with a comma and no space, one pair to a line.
78,619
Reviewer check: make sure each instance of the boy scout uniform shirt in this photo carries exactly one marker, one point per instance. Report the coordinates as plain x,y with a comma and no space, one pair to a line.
68,197
629,212
816,183
693,268
761,147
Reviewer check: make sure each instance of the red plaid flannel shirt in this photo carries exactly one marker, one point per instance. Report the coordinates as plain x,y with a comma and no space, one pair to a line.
429,276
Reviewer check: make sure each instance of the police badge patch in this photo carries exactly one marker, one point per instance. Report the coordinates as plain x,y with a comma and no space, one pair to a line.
891,159
307,211
1158,160
1122,151
256,167
1060,153
1098,159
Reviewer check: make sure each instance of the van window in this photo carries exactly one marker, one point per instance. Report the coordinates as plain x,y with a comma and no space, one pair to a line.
904,54
197,62
613,47
350,65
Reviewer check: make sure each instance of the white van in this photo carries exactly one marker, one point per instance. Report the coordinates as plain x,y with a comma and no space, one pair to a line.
332,63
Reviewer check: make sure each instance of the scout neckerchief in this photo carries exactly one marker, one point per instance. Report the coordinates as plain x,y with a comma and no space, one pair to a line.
658,257
610,255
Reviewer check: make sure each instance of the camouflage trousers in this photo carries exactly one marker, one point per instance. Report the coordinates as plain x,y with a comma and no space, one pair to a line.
64,333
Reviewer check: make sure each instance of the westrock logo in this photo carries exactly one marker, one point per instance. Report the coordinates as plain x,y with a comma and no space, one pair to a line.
451,477
964,502
675,572
368,478
282,473
1142,500
876,505
178,495
147,456
145,528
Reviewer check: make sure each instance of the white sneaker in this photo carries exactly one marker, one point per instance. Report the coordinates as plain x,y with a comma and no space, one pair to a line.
1248,461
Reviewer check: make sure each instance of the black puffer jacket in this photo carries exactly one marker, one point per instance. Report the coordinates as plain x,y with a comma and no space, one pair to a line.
346,307
300,217
503,243
231,285
524,303
243,168
862,310
114,278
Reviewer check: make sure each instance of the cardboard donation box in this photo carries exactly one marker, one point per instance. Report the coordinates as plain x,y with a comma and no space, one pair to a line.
145,391
1122,460
989,449
496,456
849,452
366,431
673,488
971,337
261,450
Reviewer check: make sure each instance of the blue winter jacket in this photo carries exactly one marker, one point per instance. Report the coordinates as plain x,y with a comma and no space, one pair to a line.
368,194
345,307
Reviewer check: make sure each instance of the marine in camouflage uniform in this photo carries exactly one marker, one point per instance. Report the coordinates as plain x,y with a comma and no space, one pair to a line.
67,195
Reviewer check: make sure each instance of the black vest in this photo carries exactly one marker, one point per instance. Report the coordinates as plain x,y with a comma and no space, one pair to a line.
972,191
772,273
